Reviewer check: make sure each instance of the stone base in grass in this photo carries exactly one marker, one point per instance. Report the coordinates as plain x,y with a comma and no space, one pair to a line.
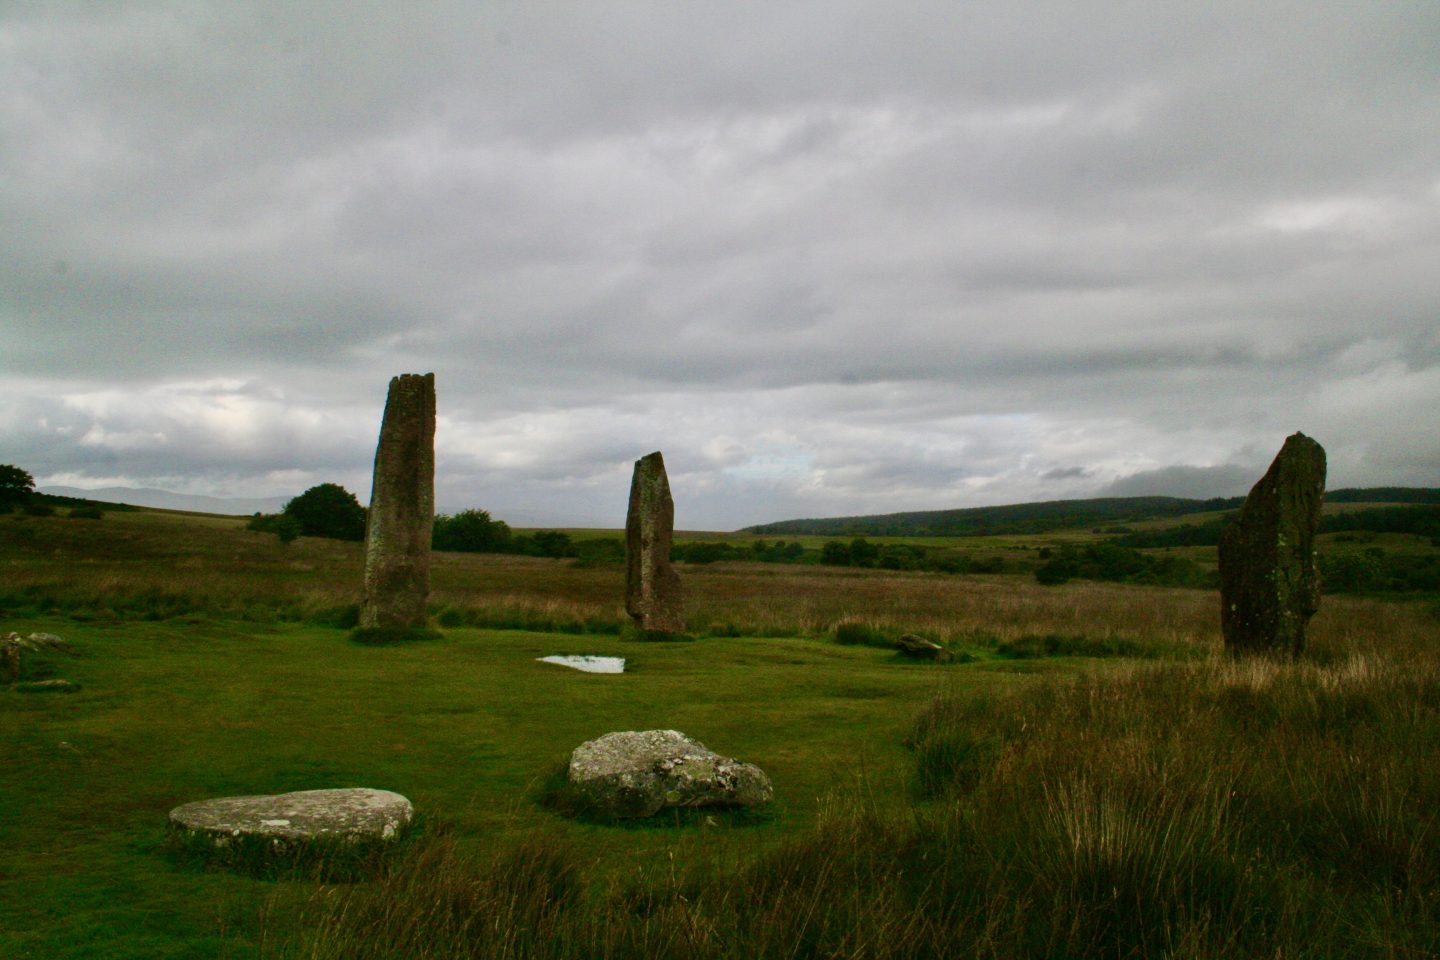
46,686
392,636
290,819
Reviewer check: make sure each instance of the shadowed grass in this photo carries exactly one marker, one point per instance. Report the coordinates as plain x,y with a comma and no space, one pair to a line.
1097,781
1203,809
392,636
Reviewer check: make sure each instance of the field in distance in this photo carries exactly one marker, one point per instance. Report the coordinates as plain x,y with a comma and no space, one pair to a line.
1088,778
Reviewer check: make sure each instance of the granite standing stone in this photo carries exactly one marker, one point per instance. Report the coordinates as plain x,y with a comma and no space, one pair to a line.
402,508
1269,587
652,587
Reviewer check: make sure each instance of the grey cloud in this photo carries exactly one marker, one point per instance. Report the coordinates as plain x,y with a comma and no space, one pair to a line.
937,256
1200,483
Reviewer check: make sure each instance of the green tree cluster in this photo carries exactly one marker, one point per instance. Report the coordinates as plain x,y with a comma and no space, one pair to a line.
711,551
17,486
471,531
1107,561
1376,570
325,510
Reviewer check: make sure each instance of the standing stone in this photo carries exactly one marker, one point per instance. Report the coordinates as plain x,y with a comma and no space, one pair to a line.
1269,587
652,588
402,508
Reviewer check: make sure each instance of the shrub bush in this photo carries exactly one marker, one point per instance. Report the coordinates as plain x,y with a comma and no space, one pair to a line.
328,510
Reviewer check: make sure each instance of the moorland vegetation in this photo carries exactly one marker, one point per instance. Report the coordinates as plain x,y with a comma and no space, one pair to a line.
1088,777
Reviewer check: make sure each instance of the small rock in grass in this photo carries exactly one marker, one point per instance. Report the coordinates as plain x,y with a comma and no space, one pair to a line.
918,648
638,773
51,640
46,686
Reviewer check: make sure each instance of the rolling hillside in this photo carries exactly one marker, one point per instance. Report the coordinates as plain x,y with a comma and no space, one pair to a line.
1024,518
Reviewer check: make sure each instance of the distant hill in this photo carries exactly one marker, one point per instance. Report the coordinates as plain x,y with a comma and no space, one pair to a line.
1383,495
1023,518
165,500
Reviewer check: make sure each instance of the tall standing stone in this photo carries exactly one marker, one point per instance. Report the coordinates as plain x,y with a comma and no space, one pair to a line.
402,508
1269,587
652,587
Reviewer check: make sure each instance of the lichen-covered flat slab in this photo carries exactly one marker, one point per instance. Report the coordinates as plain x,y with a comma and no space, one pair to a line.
356,813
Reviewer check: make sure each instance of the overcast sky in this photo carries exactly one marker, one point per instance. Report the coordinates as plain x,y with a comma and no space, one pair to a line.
830,257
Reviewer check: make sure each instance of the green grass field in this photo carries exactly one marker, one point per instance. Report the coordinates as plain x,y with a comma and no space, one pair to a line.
1093,781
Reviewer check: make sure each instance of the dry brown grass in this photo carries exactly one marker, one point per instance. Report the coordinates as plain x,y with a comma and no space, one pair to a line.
160,564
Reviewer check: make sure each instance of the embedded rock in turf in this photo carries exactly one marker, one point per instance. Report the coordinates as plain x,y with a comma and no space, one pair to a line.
638,773
919,648
349,815
13,647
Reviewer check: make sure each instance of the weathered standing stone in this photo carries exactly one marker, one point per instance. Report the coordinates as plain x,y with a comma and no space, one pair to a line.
638,773
1269,587
652,587
402,508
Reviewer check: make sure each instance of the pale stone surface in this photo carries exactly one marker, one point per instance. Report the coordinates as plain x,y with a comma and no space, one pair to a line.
652,587
1269,585
356,813
402,508
638,773
12,647
47,686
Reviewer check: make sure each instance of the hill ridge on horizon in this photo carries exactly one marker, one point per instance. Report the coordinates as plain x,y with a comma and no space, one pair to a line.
166,500
1046,515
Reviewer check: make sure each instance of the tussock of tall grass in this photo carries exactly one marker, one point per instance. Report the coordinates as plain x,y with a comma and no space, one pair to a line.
1204,808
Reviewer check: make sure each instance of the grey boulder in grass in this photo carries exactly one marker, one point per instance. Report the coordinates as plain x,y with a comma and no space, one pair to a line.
353,814
918,648
638,773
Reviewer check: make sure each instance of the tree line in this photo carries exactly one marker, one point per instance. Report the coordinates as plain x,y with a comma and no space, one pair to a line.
329,510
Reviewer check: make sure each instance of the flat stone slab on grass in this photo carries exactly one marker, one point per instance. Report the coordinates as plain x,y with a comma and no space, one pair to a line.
638,773
352,814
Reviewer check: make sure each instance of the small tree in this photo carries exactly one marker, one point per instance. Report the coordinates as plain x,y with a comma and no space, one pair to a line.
328,510
470,531
863,553
16,486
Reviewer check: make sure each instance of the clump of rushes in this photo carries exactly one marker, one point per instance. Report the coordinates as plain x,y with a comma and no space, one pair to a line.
860,633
